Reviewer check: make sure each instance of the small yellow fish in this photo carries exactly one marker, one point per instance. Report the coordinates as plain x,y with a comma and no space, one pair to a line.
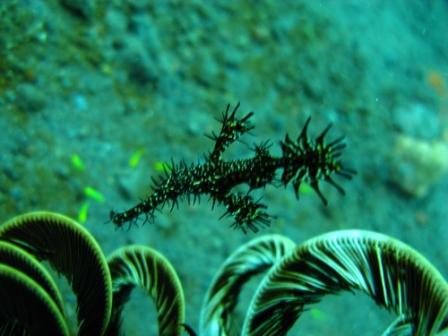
317,314
93,194
83,212
136,157
77,162
161,166
305,188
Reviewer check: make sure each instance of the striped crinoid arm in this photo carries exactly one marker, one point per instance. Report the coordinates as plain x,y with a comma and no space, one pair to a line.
256,256
393,274
141,266
73,252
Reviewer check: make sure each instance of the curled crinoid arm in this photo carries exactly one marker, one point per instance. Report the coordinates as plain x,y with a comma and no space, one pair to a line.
232,128
248,214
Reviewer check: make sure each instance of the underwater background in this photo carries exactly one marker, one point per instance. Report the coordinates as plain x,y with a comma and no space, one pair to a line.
95,96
